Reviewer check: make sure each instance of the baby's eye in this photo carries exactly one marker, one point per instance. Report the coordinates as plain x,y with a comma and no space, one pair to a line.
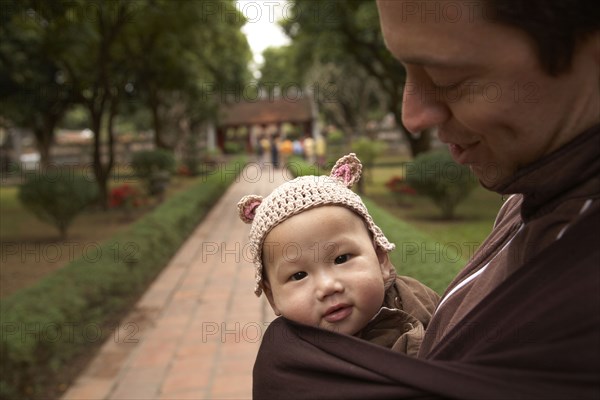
341,259
298,276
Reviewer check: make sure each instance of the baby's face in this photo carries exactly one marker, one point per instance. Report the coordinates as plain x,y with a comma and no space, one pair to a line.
323,270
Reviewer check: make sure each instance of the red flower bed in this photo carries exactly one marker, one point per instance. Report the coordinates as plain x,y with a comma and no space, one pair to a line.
125,196
398,185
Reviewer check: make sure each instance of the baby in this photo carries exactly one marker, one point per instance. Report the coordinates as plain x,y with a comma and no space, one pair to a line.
321,261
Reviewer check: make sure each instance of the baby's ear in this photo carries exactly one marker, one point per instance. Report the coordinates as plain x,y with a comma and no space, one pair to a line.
247,207
347,169
388,271
269,294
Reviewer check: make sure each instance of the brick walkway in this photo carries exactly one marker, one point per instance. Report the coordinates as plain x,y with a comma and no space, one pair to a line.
195,332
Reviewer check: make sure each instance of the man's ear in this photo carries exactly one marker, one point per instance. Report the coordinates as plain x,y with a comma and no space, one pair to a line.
269,294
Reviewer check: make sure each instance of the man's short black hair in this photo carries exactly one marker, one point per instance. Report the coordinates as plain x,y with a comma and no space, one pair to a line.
556,26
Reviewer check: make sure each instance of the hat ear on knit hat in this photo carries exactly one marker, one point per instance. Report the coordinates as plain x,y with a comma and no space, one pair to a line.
247,207
347,169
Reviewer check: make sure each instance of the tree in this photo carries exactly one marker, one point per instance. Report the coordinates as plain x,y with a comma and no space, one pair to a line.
32,90
346,95
279,69
94,62
188,52
333,31
109,55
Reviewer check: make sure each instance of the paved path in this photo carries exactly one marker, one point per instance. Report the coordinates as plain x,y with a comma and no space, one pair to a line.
195,332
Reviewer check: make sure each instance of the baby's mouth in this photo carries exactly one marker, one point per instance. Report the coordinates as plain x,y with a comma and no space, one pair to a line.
337,313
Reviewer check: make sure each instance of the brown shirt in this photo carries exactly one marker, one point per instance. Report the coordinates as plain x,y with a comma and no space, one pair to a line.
546,199
401,322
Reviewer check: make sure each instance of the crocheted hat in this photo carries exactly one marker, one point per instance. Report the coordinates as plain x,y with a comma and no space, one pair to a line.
301,194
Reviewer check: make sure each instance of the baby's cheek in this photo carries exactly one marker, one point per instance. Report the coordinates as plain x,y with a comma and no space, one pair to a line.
373,295
298,311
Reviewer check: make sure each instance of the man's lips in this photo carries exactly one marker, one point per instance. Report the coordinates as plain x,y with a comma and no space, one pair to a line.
460,152
337,313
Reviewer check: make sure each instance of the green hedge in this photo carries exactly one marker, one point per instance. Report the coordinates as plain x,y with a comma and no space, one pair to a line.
416,255
46,325
299,167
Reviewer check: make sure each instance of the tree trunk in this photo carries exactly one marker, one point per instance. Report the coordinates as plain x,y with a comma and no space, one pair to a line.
102,171
96,117
111,149
421,143
63,232
159,142
44,138
43,143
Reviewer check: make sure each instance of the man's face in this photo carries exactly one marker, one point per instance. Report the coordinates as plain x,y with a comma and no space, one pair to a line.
481,86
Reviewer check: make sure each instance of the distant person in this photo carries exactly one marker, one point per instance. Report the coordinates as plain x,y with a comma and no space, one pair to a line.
321,150
286,149
274,146
309,149
265,145
298,148
259,150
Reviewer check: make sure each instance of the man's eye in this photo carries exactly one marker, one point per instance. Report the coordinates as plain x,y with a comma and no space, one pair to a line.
341,259
298,276
448,86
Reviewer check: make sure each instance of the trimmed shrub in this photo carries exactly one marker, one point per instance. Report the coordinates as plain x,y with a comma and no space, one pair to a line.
57,197
367,150
233,148
45,326
299,167
437,176
155,168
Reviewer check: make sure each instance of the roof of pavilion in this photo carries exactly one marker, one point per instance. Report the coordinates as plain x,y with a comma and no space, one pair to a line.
266,111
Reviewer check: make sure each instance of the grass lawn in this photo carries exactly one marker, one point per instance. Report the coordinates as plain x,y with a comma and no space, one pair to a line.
31,249
453,241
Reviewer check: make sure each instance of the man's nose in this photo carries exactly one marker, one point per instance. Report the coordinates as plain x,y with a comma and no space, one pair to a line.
328,283
423,106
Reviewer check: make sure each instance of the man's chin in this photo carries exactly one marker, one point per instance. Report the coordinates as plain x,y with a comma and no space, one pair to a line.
487,177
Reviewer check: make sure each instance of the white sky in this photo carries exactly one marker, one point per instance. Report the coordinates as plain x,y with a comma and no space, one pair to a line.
261,29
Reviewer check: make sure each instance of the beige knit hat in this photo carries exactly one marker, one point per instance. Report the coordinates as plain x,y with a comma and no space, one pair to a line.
301,194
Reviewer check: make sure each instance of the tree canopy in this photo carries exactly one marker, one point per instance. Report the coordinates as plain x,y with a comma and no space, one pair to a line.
114,55
347,35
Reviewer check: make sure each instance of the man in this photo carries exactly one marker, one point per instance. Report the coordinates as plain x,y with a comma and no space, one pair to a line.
512,88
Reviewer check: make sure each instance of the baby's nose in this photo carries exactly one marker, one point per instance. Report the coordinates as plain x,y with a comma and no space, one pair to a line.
328,283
